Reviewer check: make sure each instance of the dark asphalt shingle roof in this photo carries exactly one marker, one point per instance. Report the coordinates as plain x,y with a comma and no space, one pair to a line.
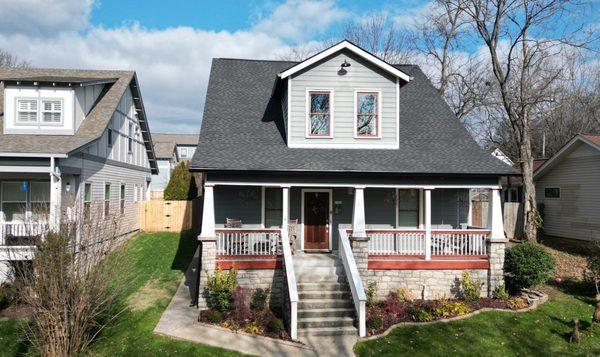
242,129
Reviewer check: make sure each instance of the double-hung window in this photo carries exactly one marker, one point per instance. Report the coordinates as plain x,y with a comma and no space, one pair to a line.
130,139
273,207
183,153
319,113
27,111
122,197
408,208
52,111
14,200
367,114
87,201
106,200
109,135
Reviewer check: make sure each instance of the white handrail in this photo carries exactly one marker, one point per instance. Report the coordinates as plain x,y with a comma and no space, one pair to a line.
356,286
291,283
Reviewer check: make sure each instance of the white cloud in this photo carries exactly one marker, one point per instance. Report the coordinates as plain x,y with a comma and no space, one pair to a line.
44,18
173,64
410,17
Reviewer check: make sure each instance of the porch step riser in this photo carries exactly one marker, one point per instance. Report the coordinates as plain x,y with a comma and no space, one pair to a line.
328,331
310,278
308,287
318,271
326,313
319,295
323,304
331,322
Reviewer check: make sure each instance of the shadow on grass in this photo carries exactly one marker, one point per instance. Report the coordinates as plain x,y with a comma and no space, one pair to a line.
185,251
581,290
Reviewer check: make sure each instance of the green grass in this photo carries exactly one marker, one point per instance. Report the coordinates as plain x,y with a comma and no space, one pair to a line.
542,332
151,262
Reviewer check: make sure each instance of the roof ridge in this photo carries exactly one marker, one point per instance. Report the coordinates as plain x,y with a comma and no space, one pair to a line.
254,60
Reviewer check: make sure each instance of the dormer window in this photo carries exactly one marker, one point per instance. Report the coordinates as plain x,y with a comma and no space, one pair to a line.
367,114
320,113
27,111
52,111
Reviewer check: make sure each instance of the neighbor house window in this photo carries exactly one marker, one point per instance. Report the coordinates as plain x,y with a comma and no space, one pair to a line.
319,113
52,111
408,208
273,207
130,138
367,114
106,199
122,198
87,201
552,192
27,111
40,198
14,200
183,153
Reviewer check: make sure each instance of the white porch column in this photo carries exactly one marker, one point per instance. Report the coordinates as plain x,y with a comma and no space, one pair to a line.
427,224
495,221
208,213
358,214
55,195
285,211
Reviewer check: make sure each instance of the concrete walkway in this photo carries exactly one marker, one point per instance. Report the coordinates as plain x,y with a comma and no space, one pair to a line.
179,321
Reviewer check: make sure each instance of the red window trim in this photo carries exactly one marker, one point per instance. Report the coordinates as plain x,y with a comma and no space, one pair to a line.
376,114
310,93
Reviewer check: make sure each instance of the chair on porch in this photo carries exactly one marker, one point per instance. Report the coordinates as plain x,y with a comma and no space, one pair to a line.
292,233
233,223
238,245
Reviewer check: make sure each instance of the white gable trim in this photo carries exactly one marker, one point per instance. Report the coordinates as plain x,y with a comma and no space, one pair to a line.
353,48
561,153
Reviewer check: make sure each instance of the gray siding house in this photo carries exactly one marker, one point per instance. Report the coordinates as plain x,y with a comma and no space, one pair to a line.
568,190
70,140
340,168
170,149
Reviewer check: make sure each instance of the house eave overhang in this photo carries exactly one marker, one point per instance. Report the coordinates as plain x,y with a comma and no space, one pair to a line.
561,153
351,47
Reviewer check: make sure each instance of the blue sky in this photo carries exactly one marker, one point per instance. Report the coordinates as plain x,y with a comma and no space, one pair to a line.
171,43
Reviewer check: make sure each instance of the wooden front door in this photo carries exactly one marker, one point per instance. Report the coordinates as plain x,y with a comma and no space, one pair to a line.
316,220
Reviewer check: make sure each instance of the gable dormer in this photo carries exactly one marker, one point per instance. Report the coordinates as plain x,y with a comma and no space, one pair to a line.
49,106
343,97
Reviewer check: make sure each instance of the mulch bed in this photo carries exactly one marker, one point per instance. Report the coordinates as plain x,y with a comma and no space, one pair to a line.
251,321
393,311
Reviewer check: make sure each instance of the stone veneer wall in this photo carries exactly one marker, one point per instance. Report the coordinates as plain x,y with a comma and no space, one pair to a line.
263,278
428,284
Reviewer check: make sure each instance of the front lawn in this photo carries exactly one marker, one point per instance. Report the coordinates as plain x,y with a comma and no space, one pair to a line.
544,331
154,267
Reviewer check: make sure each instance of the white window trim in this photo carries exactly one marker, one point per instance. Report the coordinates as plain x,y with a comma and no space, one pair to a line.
104,198
331,113
553,198
379,121
37,115
42,111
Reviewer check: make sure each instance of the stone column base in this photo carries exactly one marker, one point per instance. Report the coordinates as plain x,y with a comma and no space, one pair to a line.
496,248
208,262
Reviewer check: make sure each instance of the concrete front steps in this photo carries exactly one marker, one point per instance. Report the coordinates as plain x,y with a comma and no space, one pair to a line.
325,307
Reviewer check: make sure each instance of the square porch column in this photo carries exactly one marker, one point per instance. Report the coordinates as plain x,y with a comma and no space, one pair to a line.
359,238
496,243
427,224
208,244
55,196
285,208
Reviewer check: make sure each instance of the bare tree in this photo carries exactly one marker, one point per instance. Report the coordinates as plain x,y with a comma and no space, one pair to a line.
9,60
522,55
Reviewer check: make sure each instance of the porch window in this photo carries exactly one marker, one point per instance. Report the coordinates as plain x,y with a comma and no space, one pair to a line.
367,114
408,208
27,110
14,200
106,199
273,207
122,197
52,111
40,198
319,113
87,201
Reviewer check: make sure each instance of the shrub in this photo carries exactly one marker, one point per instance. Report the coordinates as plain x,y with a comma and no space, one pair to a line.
452,308
182,185
470,288
213,316
220,288
275,325
526,265
420,315
8,295
500,293
259,299
254,328
374,322
371,289
393,305
404,294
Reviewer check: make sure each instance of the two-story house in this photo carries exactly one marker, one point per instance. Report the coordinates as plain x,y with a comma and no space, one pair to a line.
72,142
170,149
341,168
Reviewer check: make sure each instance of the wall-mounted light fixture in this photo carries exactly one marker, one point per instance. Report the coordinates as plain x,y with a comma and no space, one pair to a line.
346,64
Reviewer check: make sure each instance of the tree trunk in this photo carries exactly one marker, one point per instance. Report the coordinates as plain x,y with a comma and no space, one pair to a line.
529,202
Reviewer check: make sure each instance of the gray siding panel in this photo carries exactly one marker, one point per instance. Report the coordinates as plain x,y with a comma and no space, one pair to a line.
360,75
576,214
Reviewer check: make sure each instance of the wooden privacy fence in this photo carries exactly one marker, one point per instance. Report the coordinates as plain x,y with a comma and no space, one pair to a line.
512,214
166,216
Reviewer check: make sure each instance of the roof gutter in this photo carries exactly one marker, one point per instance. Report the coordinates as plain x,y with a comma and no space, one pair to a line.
20,154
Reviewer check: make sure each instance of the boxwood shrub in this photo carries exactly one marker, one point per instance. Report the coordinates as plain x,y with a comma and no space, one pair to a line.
526,265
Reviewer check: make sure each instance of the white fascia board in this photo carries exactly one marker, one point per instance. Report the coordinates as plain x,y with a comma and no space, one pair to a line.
16,154
351,47
561,153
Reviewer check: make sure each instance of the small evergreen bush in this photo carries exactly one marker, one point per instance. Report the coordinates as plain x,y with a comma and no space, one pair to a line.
471,288
374,322
371,289
500,293
526,265
220,289
275,325
182,186
259,299
214,316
